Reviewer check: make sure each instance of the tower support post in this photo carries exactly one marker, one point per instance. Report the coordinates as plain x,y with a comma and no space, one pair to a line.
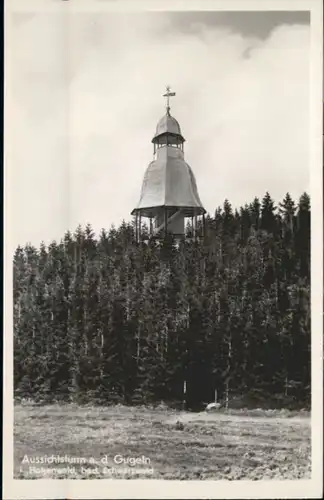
140,228
165,221
136,227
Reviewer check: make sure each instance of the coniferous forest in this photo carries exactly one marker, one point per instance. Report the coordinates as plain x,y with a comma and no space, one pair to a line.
106,319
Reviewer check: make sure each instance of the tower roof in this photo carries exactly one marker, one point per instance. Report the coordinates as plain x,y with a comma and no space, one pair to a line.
167,125
169,182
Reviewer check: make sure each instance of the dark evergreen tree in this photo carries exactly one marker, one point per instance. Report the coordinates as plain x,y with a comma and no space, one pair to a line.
268,217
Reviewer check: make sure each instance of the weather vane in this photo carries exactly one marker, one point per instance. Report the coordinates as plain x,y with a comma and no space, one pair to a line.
168,94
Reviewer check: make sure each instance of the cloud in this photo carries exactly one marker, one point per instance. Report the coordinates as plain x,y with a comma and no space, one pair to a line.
87,91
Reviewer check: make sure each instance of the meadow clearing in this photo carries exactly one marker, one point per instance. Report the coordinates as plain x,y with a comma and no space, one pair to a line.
224,445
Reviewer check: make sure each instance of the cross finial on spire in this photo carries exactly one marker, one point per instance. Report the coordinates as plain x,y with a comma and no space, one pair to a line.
168,94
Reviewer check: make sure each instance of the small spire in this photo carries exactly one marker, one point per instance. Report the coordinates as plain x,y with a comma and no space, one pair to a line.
168,94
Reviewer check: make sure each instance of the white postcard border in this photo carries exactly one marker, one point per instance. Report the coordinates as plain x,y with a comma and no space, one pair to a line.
41,489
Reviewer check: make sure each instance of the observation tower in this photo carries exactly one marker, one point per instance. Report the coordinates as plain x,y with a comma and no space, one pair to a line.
169,193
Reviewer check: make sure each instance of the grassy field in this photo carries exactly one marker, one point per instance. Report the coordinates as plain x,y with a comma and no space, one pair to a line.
235,445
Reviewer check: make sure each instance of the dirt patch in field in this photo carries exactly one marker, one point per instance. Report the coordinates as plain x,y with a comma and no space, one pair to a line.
165,443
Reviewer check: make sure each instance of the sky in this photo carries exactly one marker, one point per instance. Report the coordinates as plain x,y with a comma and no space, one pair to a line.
87,95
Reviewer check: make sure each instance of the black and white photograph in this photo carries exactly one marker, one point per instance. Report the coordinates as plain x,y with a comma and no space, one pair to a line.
164,273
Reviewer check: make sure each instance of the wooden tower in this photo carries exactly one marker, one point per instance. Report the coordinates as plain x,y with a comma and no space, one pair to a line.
169,191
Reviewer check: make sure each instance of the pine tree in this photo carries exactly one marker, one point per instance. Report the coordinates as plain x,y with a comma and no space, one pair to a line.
268,218
303,235
255,211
